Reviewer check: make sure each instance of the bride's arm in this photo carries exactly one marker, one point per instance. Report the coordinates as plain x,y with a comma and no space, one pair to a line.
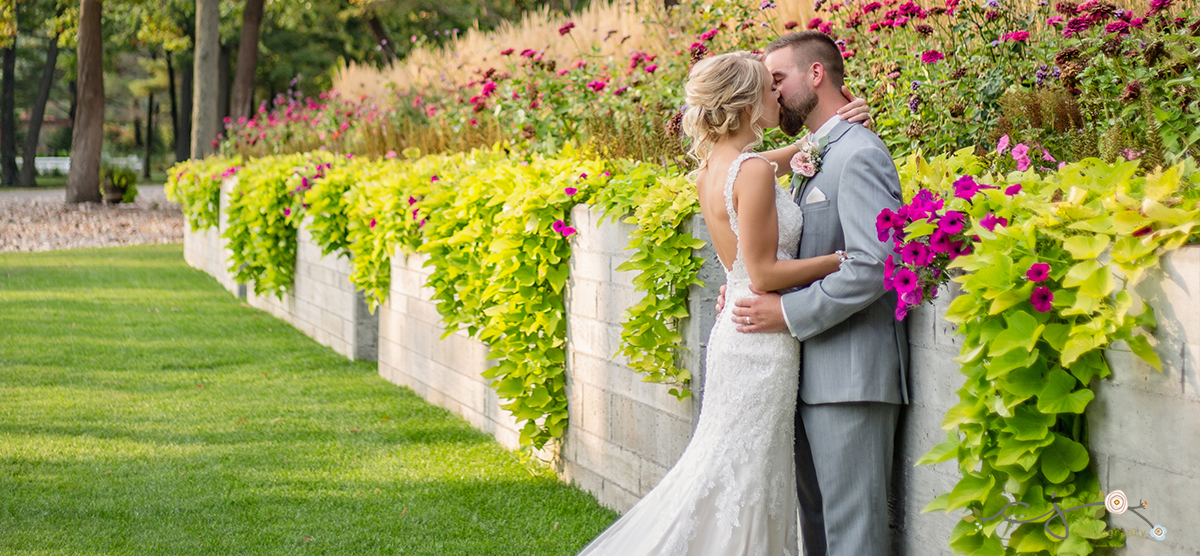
758,234
856,111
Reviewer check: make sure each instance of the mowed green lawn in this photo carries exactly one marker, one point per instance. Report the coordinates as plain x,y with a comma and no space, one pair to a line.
144,410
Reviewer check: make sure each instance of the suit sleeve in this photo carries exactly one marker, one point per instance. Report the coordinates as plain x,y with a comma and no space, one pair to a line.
869,183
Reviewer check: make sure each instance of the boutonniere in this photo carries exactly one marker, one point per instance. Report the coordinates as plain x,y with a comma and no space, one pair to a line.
807,162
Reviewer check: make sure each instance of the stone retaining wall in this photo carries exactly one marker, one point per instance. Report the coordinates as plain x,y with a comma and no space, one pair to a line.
624,434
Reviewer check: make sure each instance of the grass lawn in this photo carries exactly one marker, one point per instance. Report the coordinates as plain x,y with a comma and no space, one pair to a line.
144,410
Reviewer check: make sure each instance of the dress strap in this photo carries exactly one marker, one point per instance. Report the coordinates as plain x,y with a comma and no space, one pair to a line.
734,167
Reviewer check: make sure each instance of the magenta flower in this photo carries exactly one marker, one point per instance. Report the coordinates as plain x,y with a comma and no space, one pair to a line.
965,187
1038,272
1041,299
939,242
390,155
931,57
287,212
991,221
566,28
570,191
904,280
415,212
558,226
506,51
1046,156
372,222
884,223
567,231
889,270
1015,36
620,90
1020,151
814,23
1012,189
914,254
1002,145
597,85
1054,20
583,176
709,34
901,309
650,68
488,88
412,200
958,249
912,298
433,178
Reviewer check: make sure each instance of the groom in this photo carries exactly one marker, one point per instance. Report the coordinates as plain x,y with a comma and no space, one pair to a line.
855,352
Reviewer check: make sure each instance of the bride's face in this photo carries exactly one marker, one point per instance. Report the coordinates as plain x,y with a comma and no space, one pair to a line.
770,105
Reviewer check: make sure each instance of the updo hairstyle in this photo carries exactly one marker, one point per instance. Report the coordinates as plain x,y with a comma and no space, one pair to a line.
718,91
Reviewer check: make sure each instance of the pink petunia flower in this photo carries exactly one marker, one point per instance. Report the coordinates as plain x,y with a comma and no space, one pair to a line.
991,221
372,222
558,226
952,222
1012,189
1038,272
567,231
570,191
939,242
1002,145
1041,299
904,280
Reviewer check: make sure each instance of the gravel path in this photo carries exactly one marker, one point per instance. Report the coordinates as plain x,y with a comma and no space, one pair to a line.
39,220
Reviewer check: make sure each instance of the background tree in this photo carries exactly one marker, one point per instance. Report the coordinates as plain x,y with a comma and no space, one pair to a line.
87,135
37,112
205,105
247,60
8,122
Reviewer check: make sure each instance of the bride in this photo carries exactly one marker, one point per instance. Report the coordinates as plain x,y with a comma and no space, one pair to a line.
733,491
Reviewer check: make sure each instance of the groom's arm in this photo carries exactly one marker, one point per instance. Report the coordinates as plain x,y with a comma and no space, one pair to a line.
869,184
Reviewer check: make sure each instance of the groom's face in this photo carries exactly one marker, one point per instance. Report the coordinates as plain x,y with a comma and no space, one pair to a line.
797,97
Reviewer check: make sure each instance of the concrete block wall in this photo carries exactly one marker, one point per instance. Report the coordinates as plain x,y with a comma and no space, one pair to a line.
446,372
624,434
322,303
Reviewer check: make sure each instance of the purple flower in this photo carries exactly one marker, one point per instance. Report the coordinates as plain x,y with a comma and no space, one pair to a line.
884,223
415,212
965,187
372,222
904,280
567,231
1041,299
570,191
287,212
901,309
566,28
558,226
991,221
1013,189
434,178
412,200
931,57
939,242
914,254
952,222
1020,151
912,298
889,270
1002,145
767,4
958,249
1038,272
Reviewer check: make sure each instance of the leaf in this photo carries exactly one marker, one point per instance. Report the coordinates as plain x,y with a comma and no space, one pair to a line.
1028,423
1015,359
1062,457
1142,348
942,452
1027,382
1086,247
1022,332
970,488
937,504
1059,395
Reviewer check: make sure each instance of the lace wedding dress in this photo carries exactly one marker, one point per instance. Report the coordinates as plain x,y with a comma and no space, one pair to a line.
733,491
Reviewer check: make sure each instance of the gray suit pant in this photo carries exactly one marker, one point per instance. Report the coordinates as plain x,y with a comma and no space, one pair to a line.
843,474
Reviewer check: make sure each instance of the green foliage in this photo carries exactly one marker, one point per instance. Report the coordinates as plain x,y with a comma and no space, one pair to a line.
665,265
264,212
1018,431
196,186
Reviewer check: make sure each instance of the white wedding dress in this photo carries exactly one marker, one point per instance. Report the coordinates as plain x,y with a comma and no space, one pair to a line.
733,491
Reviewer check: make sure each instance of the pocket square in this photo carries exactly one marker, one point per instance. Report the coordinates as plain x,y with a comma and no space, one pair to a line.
814,196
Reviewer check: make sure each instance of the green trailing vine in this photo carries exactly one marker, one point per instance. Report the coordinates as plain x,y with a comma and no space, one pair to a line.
196,186
1038,304
661,206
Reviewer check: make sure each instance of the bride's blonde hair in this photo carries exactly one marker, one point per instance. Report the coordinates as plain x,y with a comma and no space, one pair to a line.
718,91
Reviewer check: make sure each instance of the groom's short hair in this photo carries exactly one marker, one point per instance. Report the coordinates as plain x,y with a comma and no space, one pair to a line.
813,47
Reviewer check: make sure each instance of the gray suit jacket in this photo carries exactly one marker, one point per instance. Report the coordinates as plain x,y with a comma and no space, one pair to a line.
854,349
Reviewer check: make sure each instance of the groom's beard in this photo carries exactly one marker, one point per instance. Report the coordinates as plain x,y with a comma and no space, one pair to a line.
793,112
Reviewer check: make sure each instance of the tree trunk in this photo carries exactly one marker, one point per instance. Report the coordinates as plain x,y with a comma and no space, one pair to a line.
223,86
87,136
73,90
183,146
380,34
174,100
206,74
247,61
8,116
149,136
28,170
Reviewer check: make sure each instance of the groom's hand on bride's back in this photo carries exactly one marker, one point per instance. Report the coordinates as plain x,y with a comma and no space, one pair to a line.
761,312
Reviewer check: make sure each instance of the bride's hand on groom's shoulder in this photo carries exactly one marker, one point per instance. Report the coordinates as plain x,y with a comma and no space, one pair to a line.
857,110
